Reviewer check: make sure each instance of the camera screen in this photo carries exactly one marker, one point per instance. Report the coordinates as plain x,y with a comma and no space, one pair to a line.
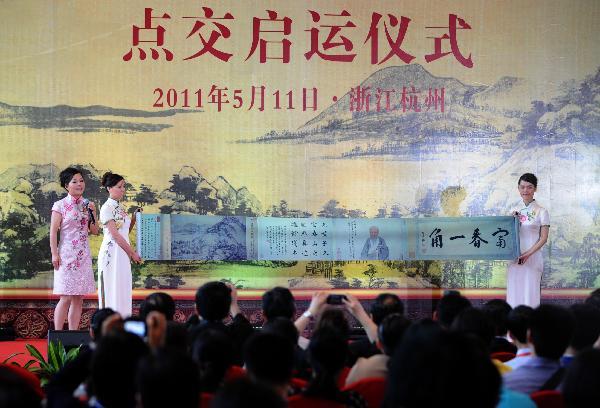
137,328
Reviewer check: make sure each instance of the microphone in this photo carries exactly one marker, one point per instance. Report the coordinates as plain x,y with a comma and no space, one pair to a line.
86,203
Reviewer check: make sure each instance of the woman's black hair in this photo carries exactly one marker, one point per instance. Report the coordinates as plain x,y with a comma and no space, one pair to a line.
67,175
110,179
529,178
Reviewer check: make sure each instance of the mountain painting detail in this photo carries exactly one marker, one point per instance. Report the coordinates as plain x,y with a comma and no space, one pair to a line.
208,238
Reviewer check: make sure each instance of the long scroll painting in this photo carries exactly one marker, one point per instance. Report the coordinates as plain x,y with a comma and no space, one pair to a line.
232,238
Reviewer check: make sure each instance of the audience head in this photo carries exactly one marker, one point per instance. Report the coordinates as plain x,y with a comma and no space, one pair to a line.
435,368
581,385
283,327
518,323
16,388
159,301
245,393
96,322
114,366
168,379
384,305
391,330
269,359
550,330
334,319
213,300
449,306
497,310
474,322
176,336
587,326
594,298
327,352
212,351
278,302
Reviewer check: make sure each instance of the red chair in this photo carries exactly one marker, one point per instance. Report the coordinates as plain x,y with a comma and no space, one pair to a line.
371,389
206,398
234,372
548,399
343,376
298,383
503,356
300,401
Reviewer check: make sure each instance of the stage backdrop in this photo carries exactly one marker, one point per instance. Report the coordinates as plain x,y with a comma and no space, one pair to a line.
297,109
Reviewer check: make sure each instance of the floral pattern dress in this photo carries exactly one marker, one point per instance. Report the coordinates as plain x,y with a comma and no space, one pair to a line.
523,282
114,266
74,276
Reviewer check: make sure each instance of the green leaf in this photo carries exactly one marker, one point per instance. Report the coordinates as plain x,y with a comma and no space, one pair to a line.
73,353
11,356
44,367
53,357
35,353
29,363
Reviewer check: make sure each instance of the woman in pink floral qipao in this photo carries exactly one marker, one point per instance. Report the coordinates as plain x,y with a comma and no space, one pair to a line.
71,257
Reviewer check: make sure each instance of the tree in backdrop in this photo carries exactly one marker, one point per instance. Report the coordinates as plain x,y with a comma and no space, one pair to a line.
339,281
373,282
145,196
587,260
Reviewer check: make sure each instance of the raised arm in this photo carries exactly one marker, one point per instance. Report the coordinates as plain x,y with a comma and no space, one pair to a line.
316,304
357,310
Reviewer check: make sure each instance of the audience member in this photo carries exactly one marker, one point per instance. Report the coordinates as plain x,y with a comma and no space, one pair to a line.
435,368
449,306
390,332
475,322
594,298
245,393
18,389
286,328
168,379
550,331
518,325
212,351
327,353
497,311
278,302
269,360
160,302
581,386
214,302
384,305
586,332
114,367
